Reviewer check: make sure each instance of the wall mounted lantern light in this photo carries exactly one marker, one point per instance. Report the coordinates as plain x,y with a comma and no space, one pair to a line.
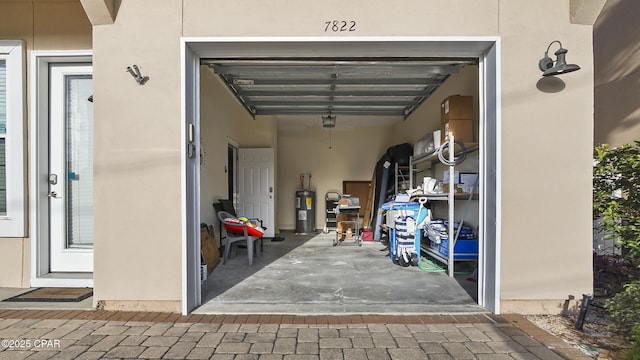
560,66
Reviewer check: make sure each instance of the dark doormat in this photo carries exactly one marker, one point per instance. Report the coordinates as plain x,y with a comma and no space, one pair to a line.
53,295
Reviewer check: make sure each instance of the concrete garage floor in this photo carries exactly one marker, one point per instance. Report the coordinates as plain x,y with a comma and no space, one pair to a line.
307,275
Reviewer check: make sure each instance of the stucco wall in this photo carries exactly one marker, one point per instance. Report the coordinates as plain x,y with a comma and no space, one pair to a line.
42,25
546,158
373,17
546,137
137,157
617,73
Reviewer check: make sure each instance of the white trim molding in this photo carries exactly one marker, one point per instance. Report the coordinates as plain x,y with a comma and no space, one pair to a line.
253,47
13,223
38,160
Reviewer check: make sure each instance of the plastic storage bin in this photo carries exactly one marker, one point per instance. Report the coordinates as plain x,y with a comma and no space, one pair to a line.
463,250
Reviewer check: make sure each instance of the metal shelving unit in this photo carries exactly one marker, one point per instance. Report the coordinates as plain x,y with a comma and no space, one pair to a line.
402,177
450,197
331,199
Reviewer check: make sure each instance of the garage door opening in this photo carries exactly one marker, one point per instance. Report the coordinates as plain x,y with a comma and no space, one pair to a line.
372,89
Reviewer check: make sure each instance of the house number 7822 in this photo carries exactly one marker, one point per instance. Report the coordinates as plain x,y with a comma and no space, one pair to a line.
339,26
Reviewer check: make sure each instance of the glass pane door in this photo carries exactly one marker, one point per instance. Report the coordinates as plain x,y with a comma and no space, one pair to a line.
70,177
79,160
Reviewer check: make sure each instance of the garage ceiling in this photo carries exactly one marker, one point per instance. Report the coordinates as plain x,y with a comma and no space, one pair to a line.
376,87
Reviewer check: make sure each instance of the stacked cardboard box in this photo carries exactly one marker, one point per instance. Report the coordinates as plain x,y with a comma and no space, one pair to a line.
456,116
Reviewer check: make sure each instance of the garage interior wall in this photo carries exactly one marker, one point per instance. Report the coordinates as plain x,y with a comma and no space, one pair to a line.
426,119
222,118
353,155
138,155
42,25
355,149
617,73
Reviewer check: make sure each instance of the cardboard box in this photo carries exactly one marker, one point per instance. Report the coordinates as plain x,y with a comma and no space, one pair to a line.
209,249
457,107
462,130
345,224
460,189
445,188
456,116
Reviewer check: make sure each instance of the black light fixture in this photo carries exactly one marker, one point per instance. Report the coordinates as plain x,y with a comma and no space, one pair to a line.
560,66
328,121
137,75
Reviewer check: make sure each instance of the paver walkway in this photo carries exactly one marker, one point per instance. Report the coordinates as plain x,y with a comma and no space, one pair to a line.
44,334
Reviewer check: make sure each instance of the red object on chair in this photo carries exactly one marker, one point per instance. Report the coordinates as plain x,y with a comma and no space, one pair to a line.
237,231
236,227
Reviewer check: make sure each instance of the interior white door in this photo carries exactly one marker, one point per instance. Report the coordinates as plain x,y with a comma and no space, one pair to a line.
256,191
71,168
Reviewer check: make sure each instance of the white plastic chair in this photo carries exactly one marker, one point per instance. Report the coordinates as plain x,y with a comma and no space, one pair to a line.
233,237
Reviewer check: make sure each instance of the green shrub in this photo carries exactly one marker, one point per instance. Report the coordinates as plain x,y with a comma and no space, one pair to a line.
616,200
624,309
633,353
616,195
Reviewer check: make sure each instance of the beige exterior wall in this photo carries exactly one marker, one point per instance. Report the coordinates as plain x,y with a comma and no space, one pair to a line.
137,157
46,24
255,18
550,133
546,158
546,138
42,25
617,73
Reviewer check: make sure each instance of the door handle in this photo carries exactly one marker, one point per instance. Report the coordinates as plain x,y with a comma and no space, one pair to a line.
53,195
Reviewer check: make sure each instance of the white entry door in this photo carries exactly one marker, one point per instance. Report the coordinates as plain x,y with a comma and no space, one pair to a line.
256,191
71,168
